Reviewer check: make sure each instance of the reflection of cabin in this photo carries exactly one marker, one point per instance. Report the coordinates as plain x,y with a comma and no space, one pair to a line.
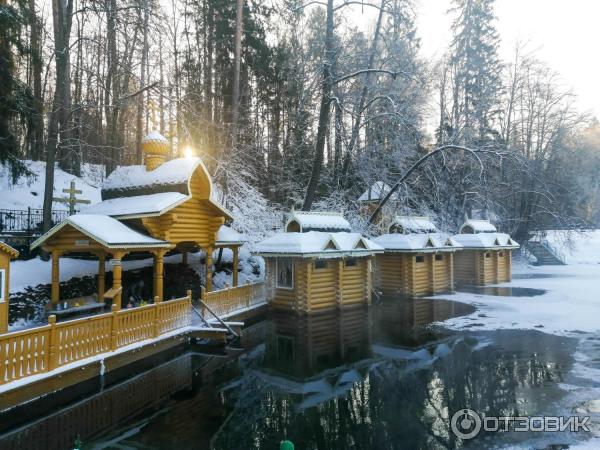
316,358
487,254
150,208
316,270
6,253
304,346
417,260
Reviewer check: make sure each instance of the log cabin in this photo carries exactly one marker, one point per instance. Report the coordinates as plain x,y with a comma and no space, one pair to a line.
417,259
152,208
487,255
6,254
369,201
313,271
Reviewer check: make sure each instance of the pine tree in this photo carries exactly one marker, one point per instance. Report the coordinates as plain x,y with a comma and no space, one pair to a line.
477,70
15,97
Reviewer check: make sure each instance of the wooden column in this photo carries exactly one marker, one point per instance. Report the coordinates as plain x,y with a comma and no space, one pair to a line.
184,258
117,271
508,256
496,266
432,273
101,276
340,283
368,280
451,270
159,274
55,292
236,262
208,278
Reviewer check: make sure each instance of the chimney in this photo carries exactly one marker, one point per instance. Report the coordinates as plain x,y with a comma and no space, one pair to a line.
155,148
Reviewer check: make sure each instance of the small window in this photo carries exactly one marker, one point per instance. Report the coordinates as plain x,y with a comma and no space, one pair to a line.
321,264
2,284
488,255
352,262
501,254
419,258
439,257
285,273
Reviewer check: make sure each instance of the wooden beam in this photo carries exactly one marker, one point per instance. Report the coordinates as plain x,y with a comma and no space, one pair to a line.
117,274
208,283
159,274
236,262
101,276
55,291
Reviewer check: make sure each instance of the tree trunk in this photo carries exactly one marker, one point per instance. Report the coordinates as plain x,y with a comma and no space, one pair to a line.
326,86
235,101
58,129
37,142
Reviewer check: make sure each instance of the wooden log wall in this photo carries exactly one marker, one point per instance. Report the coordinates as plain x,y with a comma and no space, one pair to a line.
319,289
414,274
482,267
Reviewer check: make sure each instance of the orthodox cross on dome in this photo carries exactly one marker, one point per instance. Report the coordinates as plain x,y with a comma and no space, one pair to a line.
71,200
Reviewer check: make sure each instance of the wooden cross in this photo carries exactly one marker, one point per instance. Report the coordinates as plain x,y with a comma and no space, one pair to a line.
71,200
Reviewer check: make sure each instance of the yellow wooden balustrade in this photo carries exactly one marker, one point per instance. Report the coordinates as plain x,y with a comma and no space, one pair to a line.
24,353
229,300
45,348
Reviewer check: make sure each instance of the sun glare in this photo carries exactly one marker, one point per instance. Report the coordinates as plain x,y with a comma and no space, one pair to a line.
188,152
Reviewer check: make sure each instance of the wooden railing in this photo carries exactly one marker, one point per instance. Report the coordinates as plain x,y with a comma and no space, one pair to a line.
230,300
42,349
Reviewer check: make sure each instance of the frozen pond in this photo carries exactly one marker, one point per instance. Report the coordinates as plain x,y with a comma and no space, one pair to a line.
388,377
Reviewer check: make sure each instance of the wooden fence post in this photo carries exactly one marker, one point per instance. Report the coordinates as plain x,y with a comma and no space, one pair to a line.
53,345
203,298
114,330
157,302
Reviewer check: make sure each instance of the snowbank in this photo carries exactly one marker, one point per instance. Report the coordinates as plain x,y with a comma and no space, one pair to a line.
581,247
29,191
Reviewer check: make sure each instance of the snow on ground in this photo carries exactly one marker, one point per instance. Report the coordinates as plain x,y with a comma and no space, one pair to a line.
570,306
576,247
29,191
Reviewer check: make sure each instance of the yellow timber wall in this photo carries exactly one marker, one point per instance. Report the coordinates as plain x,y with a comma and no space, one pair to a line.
195,220
482,267
315,290
414,274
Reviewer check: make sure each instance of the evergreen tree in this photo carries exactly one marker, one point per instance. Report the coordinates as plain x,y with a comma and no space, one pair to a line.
15,97
476,69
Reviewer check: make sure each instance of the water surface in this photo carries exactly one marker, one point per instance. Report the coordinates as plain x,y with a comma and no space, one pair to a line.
378,378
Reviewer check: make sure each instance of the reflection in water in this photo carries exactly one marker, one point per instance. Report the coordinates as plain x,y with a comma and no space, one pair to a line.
502,291
377,378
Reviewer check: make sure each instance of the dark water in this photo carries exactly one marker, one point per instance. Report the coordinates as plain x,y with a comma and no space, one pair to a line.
357,379
502,291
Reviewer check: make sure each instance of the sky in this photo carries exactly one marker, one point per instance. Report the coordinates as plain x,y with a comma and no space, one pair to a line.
564,34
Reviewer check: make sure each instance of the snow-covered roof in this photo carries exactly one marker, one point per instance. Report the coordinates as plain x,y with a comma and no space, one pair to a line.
227,235
174,172
406,243
318,243
413,224
377,191
107,231
478,226
137,205
4,247
155,136
486,240
318,221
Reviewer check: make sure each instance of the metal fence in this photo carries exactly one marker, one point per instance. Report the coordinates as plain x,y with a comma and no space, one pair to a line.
27,221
